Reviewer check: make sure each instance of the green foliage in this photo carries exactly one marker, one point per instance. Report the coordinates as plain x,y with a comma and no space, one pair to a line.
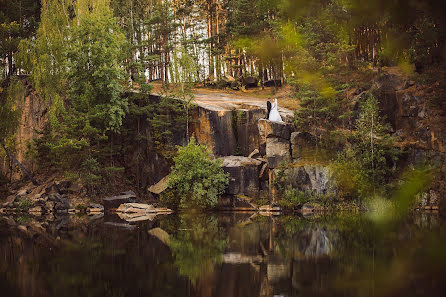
197,246
10,109
196,180
317,112
18,20
368,165
75,62
95,74
350,179
44,56
167,121
293,197
24,204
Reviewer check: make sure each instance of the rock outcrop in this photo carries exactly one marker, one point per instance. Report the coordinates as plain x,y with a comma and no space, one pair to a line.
309,178
51,197
225,131
115,201
275,142
33,117
243,175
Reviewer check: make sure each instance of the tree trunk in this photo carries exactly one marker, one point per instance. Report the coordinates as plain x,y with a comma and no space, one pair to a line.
22,168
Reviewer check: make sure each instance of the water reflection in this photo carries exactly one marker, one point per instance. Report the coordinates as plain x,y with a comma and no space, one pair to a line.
230,254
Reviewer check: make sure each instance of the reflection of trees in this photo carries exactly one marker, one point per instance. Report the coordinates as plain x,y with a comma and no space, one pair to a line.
93,260
198,245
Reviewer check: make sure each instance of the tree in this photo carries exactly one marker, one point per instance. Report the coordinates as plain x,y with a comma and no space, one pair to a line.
184,71
75,63
368,165
18,20
196,180
95,76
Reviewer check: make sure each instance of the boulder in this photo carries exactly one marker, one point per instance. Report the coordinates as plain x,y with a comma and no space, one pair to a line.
9,201
52,189
135,207
115,201
136,216
254,154
235,85
22,192
269,208
62,186
243,175
410,105
75,189
272,83
160,186
49,206
310,178
55,197
95,208
250,81
277,151
36,210
301,142
228,78
268,128
63,204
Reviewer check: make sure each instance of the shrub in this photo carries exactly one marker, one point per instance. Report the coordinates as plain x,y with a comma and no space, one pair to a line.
196,181
347,174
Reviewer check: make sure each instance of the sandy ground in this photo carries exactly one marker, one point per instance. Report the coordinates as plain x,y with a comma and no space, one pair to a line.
219,100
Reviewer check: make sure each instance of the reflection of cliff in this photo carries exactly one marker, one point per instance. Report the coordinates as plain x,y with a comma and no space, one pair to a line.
91,259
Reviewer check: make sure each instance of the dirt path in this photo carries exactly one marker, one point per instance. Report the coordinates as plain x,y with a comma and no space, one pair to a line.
224,101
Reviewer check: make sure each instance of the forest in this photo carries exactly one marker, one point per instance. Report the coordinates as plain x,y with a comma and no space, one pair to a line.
222,148
95,62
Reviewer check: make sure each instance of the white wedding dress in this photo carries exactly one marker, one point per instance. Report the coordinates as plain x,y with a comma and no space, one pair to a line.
274,113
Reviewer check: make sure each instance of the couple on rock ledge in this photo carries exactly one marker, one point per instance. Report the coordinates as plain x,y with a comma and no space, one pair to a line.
272,112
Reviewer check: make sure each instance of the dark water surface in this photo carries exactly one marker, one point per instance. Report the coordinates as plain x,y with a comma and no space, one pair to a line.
226,254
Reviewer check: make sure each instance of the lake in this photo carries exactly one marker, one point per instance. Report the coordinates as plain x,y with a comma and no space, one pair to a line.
222,254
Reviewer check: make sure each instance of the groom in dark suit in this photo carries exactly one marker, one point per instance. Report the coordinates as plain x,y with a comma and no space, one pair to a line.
268,108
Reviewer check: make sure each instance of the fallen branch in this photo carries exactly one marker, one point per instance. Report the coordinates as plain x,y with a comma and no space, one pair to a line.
22,168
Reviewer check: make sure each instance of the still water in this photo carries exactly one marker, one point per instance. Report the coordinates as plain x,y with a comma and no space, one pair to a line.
225,254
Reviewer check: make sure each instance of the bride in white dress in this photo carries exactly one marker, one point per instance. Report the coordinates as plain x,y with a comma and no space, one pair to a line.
274,113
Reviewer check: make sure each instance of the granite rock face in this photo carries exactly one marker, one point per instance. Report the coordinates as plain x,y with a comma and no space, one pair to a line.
243,175
274,141
277,151
268,128
310,178
227,132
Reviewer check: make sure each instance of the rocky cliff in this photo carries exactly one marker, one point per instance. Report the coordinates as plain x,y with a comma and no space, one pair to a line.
254,149
34,114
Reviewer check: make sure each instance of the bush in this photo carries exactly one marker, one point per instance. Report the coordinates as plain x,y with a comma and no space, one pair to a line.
348,175
196,181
